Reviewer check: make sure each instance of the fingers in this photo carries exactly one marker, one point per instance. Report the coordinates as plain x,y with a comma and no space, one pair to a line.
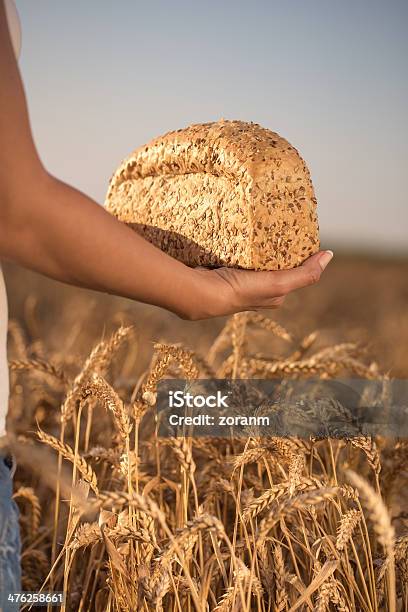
232,290
307,274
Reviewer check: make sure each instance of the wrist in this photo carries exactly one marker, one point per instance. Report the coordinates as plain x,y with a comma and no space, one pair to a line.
206,295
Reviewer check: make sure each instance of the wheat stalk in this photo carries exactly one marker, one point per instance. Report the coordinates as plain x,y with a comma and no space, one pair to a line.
98,360
66,451
40,365
296,503
28,494
183,453
380,518
348,523
98,387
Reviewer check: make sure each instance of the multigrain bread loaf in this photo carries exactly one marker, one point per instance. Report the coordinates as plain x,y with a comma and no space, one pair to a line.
227,193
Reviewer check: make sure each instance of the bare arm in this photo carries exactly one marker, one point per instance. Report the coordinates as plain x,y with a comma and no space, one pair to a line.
54,229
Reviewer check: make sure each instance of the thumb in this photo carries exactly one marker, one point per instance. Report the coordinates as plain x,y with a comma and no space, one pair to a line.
307,274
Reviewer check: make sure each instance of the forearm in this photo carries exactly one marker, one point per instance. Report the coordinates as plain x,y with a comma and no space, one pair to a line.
54,229
58,231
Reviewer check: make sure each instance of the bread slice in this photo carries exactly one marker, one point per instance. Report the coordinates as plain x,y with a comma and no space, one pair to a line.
220,194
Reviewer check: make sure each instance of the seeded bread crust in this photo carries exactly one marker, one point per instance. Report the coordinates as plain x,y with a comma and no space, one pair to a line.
226,193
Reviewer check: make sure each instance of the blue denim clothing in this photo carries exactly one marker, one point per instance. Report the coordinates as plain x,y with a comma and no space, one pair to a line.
10,547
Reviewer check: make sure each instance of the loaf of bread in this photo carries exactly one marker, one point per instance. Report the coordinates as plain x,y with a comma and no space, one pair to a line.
220,194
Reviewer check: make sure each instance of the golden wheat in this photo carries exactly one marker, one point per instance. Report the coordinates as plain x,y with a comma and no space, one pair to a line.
257,523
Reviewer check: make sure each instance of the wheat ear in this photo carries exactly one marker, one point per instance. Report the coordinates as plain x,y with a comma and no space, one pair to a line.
66,451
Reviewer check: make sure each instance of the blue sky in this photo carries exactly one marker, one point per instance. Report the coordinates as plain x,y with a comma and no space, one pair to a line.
103,77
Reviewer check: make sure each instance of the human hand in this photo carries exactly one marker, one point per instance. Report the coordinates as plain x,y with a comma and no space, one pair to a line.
225,291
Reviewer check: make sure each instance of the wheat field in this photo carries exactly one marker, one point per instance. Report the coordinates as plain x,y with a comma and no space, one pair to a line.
122,519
